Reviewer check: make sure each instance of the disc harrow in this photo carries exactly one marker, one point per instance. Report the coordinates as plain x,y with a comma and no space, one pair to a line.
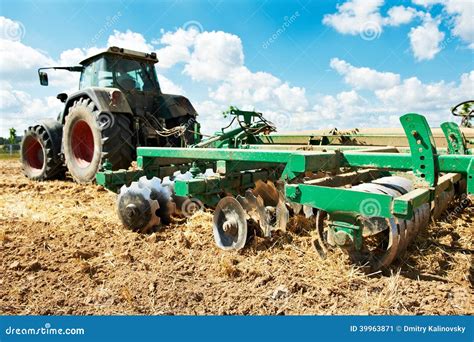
369,200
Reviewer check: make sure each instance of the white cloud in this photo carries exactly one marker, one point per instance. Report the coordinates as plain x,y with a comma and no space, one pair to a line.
11,30
362,16
9,98
217,59
168,87
244,88
210,115
344,104
460,14
177,47
20,109
352,16
342,110
425,40
291,98
412,94
463,18
399,15
19,60
402,96
77,55
426,3
171,55
215,55
72,56
179,37
363,77
129,40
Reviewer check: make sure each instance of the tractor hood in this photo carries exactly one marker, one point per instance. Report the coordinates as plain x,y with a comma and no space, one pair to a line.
178,105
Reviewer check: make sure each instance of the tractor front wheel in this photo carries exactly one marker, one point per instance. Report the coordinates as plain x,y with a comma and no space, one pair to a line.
38,156
90,137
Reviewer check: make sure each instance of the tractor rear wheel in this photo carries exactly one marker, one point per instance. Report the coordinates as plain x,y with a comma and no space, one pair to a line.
91,137
38,158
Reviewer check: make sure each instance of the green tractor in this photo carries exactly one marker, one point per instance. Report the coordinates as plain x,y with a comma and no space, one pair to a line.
118,107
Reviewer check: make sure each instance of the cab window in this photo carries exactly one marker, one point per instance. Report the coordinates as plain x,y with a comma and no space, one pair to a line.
89,75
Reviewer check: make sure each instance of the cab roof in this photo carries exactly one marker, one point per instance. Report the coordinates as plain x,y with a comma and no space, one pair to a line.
114,50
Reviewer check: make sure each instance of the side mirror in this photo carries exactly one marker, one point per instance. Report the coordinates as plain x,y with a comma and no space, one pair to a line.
43,78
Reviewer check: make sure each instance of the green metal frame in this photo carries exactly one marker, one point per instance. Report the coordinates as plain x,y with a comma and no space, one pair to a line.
454,137
239,168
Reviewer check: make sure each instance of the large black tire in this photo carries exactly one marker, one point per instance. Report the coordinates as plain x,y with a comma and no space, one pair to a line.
91,137
38,155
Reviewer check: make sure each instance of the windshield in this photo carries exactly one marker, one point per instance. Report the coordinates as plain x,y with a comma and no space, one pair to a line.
115,71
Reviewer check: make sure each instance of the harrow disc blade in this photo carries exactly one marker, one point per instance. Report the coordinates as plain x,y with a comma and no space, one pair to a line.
400,184
229,224
162,194
136,208
403,227
282,216
320,240
267,191
382,258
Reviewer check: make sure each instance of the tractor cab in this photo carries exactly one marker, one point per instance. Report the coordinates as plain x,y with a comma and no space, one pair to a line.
126,70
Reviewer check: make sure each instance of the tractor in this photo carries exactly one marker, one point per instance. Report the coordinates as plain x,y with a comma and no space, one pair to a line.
119,106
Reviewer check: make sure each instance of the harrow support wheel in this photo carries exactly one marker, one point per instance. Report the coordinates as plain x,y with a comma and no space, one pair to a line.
229,224
375,257
383,239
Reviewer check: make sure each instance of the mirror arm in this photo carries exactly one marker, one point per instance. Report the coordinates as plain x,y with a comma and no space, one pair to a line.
77,68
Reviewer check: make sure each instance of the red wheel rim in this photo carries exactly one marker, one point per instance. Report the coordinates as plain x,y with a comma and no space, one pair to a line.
82,143
33,151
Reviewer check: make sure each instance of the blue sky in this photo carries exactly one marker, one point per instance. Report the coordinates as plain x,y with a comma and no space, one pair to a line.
306,64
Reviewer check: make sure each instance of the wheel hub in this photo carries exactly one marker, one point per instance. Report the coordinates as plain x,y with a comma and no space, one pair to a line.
230,224
82,142
34,154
